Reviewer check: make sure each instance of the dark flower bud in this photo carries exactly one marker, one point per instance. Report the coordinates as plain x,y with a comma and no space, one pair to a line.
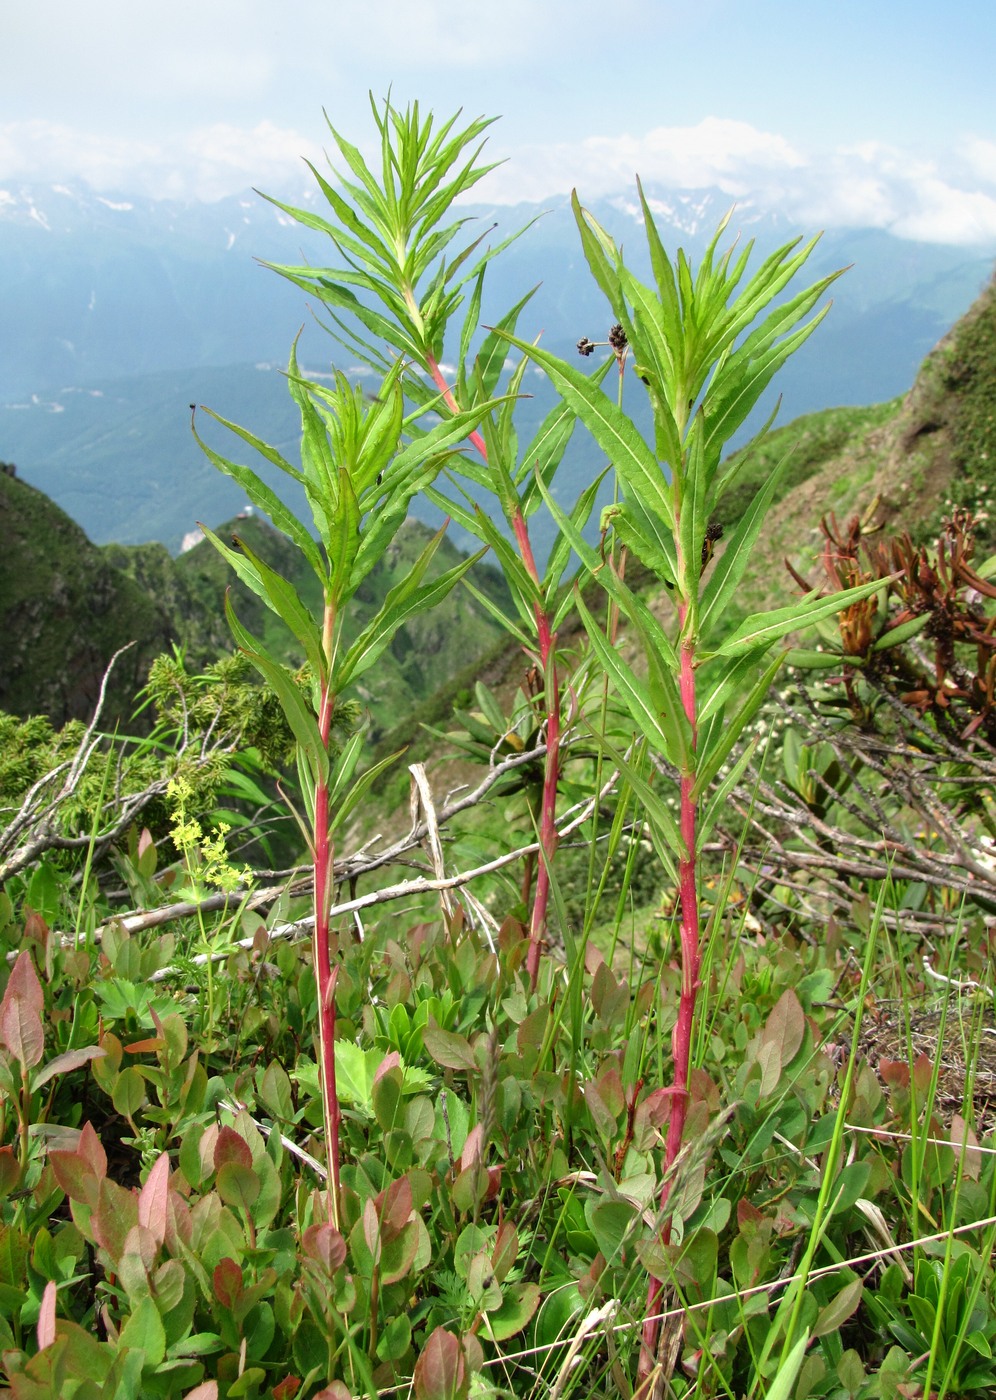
586,346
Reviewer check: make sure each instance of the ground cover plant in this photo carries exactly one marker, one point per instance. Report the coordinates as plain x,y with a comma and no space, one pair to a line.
419,1115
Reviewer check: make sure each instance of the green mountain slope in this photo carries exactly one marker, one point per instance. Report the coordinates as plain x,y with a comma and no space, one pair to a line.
66,606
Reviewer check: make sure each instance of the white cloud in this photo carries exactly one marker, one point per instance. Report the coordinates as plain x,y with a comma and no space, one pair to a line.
731,155
206,163
868,184
863,185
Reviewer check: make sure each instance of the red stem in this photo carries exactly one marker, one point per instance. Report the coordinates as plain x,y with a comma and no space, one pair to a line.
323,879
551,773
547,642
681,1041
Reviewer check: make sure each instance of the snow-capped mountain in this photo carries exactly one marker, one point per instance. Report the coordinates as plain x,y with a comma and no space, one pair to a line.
119,310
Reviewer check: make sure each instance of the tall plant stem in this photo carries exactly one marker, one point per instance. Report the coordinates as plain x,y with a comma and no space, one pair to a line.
323,881
546,640
681,1042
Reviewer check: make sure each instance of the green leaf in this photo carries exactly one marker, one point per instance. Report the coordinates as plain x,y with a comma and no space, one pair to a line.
519,1302
734,558
763,629
301,719
710,761
667,732
614,432
403,601
718,797
902,632
280,596
144,1331
782,1385
261,495
601,571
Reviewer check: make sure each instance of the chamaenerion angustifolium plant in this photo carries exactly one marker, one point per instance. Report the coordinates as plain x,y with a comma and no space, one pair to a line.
705,344
396,292
358,480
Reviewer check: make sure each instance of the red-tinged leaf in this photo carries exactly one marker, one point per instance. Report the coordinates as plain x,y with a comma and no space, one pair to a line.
441,1370
230,1147
153,1199
923,1072
395,1206
128,1093
116,1213
21,1013
289,1387
46,1317
448,1049
75,1176
389,1062
207,1390
748,1213
371,1230
91,1149
472,1147
325,1245
506,1250
141,1243
149,1046
963,1139
336,1391
62,1064
656,1107
894,1073
398,1253
785,1027
227,1282
593,959
10,1171
146,855
23,982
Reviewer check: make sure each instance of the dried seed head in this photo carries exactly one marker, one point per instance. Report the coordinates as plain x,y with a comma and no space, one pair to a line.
586,346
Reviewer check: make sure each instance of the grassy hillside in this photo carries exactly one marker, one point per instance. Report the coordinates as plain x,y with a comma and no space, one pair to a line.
66,606
64,610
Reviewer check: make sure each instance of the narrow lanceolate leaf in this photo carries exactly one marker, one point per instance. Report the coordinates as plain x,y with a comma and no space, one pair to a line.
301,719
633,606
762,629
615,434
667,732
668,841
647,536
601,254
397,609
267,500
711,761
280,596
560,555
712,811
729,568
344,538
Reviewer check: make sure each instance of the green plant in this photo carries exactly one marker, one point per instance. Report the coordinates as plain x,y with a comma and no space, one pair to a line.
705,348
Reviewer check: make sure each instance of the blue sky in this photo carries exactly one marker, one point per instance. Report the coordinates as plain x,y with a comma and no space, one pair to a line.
862,112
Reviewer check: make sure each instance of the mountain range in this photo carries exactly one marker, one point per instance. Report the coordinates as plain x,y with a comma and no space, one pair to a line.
123,311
